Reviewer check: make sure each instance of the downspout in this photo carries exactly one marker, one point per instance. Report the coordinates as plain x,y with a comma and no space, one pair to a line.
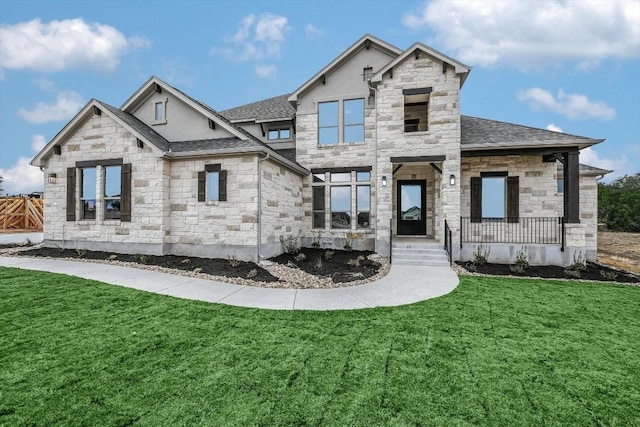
259,240
375,166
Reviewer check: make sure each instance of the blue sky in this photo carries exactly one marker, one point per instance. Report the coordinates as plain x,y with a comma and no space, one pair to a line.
570,66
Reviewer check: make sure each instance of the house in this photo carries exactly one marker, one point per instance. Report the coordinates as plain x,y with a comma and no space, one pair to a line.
370,149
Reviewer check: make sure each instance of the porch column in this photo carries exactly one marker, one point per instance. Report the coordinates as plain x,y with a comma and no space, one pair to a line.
571,186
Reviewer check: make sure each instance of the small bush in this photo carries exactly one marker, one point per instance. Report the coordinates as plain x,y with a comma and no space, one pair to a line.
233,261
81,252
521,262
328,255
356,261
609,274
197,270
319,263
300,257
291,244
113,257
347,244
481,255
252,273
574,274
579,262
142,259
316,241
185,261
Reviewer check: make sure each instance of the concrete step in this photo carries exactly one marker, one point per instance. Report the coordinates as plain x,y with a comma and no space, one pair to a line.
424,263
419,253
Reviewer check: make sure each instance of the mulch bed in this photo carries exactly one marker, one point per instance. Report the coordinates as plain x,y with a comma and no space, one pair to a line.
341,266
592,271
212,266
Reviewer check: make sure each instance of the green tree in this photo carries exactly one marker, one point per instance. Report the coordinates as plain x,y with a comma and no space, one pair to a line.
619,203
1,181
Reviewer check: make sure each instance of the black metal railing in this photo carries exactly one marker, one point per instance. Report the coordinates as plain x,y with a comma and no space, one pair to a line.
390,239
537,230
448,245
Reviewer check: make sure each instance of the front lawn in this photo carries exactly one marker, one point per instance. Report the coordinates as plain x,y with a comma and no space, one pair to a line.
496,351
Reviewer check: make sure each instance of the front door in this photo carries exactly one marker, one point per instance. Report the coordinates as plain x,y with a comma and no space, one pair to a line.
412,207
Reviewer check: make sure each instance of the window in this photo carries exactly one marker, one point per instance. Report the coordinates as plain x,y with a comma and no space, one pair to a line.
212,184
114,196
88,193
112,191
341,207
160,112
416,109
318,207
495,196
560,185
363,205
328,122
348,189
275,134
367,72
354,120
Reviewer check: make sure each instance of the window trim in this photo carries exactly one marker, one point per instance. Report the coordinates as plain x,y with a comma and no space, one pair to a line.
154,105
104,195
341,122
512,197
337,125
82,199
279,130
412,125
346,125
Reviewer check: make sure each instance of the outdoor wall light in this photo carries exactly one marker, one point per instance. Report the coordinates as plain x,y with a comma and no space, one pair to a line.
51,179
384,181
452,180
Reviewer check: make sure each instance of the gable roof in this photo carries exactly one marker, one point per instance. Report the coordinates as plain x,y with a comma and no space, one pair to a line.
586,170
367,40
459,67
485,134
128,121
266,110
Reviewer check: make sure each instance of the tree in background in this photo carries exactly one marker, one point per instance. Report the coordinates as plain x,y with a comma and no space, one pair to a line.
619,203
1,181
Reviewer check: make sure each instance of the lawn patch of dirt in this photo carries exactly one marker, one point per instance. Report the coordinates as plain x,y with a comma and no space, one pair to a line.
338,265
621,250
592,271
212,266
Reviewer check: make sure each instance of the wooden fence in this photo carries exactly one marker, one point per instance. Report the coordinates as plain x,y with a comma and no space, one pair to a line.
21,213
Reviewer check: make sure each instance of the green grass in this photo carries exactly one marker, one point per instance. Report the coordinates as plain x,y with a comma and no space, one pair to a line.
494,352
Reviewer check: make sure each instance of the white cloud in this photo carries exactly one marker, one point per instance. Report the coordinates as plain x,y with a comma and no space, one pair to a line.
37,143
67,104
257,38
266,71
620,166
60,45
553,128
532,34
22,178
571,105
312,32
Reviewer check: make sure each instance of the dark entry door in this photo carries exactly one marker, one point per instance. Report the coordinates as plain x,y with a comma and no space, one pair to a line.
412,207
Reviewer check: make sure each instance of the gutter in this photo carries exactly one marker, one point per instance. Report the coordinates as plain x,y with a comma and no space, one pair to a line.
259,239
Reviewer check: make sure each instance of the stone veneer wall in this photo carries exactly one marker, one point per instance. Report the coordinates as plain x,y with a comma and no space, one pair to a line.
100,137
282,211
214,229
442,138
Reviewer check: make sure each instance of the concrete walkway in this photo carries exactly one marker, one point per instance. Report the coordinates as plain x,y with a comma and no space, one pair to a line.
403,285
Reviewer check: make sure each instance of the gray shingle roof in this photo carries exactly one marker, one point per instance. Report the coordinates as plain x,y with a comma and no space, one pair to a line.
209,144
288,153
151,135
268,109
493,133
586,170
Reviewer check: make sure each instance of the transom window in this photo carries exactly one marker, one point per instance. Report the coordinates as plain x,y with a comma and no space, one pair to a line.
349,197
275,134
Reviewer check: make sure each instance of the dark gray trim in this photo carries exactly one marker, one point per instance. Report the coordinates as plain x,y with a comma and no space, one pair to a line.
436,168
517,151
103,162
343,169
493,174
571,176
417,159
418,91
217,167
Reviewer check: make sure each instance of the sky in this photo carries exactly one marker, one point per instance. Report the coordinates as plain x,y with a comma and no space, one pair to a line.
570,66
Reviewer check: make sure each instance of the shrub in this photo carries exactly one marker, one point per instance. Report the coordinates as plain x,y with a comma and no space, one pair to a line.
113,257
233,261
355,261
81,252
481,255
521,262
347,244
185,261
142,258
609,274
315,243
291,244
328,255
252,273
300,257
319,263
579,262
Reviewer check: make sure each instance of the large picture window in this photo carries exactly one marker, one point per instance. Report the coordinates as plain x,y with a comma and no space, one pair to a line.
341,122
349,197
495,197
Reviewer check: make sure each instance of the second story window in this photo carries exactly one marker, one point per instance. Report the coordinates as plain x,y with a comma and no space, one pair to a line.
276,134
416,109
328,122
354,120
159,112
367,72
